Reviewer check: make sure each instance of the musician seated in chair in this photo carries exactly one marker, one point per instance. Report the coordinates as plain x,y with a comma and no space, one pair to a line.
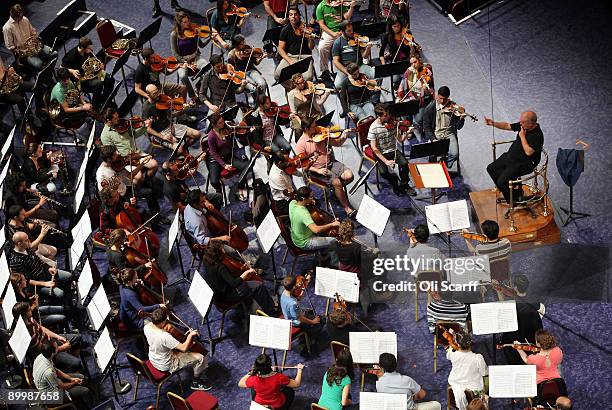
13,86
269,136
39,172
99,83
17,223
496,248
442,307
292,47
417,84
16,192
117,261
169,355
176,190
235,285
242,59
338,326
521,158
74,107
130,305
144,75
468,369
52,312
280,182
112,203
391,381
194,215
215,92
360,98
185,48
325,166
548,360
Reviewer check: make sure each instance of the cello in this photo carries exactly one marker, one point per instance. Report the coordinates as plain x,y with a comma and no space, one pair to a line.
319,216
140,237
218,225
155,277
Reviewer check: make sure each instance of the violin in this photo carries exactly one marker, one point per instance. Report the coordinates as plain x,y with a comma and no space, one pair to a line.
282,112
301,284
340,3
375,370
360,41
300,161
218,225
186,166
256,53
340,305
503,289
407,39
474,236
449,337
323,133
364,81
165,102
125,124
131,159
401,125
197,31
316,89
423,75
458,111
305,31
233,75
526,347
158,63
241,12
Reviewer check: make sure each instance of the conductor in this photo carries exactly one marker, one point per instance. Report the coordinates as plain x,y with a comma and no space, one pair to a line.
522,157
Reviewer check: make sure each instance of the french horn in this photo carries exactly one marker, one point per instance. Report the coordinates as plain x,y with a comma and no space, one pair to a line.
31,47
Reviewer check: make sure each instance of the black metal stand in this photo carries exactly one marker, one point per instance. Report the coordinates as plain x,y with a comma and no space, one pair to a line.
571,214
184,275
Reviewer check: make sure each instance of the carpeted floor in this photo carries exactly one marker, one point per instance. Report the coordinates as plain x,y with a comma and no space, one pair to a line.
550,56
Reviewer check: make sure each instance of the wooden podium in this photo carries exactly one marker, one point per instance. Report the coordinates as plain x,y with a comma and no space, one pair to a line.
431,175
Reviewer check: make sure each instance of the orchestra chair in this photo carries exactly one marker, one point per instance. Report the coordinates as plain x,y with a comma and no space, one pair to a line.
337,347
534,187
440,341
149,372
108,35
315,406
223,307
425,276
548,392
196,254
29,381
365,151
12,107
121,334
59,129
198,400
296,333
224,176
296,253
469,394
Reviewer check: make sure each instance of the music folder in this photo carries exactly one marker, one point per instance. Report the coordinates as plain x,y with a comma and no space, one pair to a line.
371,30
430,175
389,69
300,66
404,108
272,34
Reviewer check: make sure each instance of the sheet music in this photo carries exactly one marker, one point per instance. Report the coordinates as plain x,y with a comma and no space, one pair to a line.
448,216
373,215
512,381
270,332
7,306
433,175
268,232
494,317
20,340
467,269
382,401
85,281
2,230
7,143
257,406
366,347
5,274
200,294
104,349
5,170
99,308
90,140
173,232
80,186
459,214
328,282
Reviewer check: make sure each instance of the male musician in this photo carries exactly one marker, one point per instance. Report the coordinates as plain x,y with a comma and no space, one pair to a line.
292,47
17,222
176,190
48,379
360,99
522,157
101,85
563,403
268,134
215,92
383,142
325,166
279,182
497,249
277,11
329,17
439,123
442,307
242,59
157,11
414,85
391,381
169,355
344,54
130,304
15,97
195,218
112,203
71,113
161,128
420,249
16,31
144,75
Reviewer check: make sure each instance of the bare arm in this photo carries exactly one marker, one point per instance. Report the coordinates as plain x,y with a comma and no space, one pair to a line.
317,229
295,383
345,395
242,381
283,53
498,124
184,347
339,65
326,29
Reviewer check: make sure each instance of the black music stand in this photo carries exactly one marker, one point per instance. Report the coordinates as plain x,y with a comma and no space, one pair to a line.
299,67
325,120
202,71
111,96
249,167
371,30
363,180
147,33
273,35
230,113
426,150
127,104
119,63
26,112
62,25
391,69
404,109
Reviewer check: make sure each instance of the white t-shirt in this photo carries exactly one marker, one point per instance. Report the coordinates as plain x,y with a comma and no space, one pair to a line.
468,369
161,344
278,181
106,173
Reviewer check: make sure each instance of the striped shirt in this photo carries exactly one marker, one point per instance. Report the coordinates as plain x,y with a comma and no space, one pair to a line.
29,264
498,257
45,377
445,311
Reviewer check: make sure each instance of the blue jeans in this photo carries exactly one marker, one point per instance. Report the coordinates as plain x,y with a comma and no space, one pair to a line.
362,110
322,244
37,61
55,292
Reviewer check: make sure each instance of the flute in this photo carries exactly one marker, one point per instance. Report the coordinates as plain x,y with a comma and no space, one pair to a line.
42,223
50,200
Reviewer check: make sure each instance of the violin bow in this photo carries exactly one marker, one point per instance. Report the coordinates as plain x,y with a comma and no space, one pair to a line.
229,225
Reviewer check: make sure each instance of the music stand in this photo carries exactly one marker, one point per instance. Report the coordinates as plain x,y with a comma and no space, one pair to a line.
325,120
111,96
419,183
430,149
404,108
108,365
127,104
299,67
202,71
371,30
363,179
147,33
273,35
249,167
230,113
25,113
119,63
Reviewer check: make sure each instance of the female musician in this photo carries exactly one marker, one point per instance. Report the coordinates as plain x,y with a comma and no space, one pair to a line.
548,360
227,26
360,98
50,315
268,135
394,41
38,170
339,325
304,103
117,261
336,387
130,303
468,369
221,147
17,193
349,252
17,222
294,45
243,58
271,389
186,48
417,83
234,286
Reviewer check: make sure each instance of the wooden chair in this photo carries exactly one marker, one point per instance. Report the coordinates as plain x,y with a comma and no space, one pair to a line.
296,333
425,276
198,400
283,223
156,377
29,380
440,341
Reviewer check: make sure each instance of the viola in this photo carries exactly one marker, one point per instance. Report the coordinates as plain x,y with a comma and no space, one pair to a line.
132,159
281,112
300,161
197,31
364,81
158,63
316,89
449,337
240,11
340,305
165,102
256,53
125,124
186,166
401,125
526,347
361,41
458,110
423,75
305,31
407,39
219,225
301,284
233,75
334,133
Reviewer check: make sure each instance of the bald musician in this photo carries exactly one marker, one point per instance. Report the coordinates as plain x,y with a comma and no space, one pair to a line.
522,157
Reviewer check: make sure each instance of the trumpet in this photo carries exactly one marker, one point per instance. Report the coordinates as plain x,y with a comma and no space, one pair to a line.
50,200
42,223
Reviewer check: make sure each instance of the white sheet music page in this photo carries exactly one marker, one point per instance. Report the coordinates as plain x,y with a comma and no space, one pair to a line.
200,294
270,332
470,269
382,401
7,306
257,406
328,282
366,347
512,381
459,214
5,274
438,219
99,307
494,317
20,340
373,215
268,232
85,281
433,175
7,143
104,349
173,232
325,282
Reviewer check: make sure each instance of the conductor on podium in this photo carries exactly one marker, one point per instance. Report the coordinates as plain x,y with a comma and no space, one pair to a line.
522,157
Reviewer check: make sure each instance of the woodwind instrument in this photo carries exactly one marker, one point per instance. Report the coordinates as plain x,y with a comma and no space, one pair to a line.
50,200
42,223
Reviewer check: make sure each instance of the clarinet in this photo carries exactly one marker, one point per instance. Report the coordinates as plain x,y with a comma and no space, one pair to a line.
42,223
50,200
